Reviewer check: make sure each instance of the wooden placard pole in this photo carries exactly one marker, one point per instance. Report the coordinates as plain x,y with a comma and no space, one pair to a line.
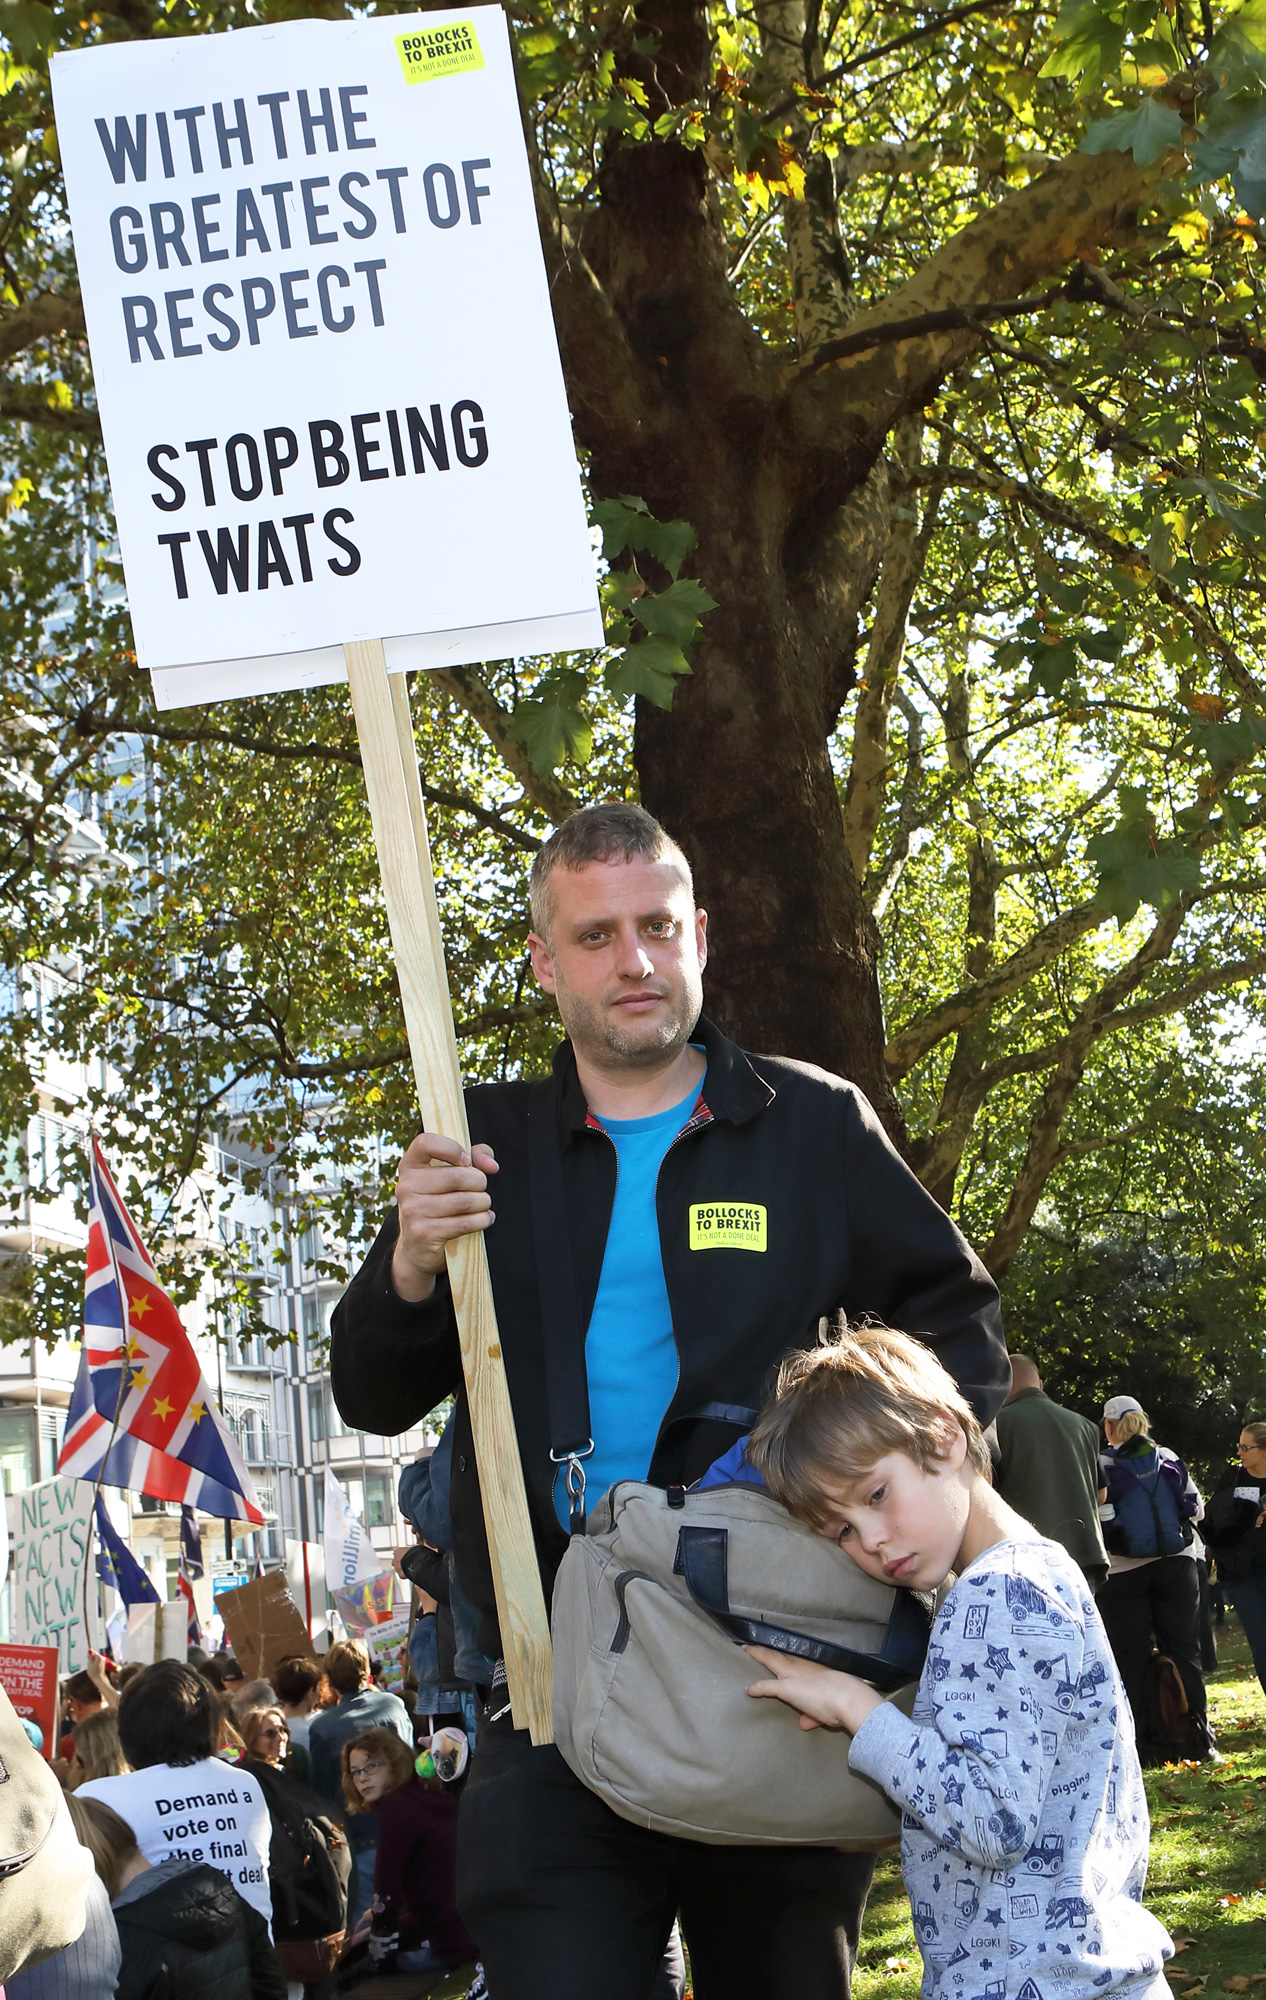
380,703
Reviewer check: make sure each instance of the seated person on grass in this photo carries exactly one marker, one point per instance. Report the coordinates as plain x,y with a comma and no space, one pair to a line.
1024,1823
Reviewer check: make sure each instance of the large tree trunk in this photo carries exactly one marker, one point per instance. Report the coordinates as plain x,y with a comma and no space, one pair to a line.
775,458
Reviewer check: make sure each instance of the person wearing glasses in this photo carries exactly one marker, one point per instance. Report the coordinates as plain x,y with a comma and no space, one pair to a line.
1235,1529
266,1738
414,1925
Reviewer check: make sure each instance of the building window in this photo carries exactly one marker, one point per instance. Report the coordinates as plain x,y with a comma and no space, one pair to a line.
379,1500
316,1415
17,1450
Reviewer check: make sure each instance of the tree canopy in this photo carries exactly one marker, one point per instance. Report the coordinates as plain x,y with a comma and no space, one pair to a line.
914,358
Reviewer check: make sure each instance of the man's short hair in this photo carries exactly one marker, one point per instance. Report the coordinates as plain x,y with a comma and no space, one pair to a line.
167,1715
616,830
840,1408
347,1666
295,1679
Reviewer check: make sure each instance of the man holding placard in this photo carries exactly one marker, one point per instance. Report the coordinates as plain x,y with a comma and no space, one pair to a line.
718,1204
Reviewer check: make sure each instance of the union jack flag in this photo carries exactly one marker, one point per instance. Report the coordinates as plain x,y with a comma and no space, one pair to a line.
140,1402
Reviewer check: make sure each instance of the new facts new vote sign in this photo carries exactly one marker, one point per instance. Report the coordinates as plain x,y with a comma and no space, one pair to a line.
323,350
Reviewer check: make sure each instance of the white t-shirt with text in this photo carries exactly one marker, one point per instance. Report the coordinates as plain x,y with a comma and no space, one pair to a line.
208,1811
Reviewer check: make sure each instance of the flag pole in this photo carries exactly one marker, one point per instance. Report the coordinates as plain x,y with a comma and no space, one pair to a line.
93,1540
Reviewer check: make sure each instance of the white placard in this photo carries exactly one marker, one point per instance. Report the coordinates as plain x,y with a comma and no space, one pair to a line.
323,350
350,1556
50,1526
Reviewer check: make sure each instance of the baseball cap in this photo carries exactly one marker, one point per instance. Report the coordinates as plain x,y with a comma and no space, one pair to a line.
1116,1406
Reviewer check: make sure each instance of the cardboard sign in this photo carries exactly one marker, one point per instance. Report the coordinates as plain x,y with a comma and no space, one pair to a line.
264,1625
50,1526
28,1675
323,350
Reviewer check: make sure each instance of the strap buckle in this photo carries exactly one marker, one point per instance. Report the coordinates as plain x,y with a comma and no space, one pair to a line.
574,1480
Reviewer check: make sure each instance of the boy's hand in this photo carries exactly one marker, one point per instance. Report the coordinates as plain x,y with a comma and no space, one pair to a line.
825,1698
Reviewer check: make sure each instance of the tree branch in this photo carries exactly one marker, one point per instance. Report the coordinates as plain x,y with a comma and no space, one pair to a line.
1042,1151
948,320
334,753
28,406
40,318
1074,208
916,1039
469,692
1059,514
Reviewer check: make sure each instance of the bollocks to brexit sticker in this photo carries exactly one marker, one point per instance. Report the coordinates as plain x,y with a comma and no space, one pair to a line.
433,52
727,1225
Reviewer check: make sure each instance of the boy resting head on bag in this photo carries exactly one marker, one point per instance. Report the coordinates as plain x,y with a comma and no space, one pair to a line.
1025,1826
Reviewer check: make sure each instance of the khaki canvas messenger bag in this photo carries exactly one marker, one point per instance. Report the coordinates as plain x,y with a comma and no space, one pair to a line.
651,1709
658,1594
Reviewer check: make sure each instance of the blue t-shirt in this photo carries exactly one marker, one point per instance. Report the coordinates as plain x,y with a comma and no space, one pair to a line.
630,1352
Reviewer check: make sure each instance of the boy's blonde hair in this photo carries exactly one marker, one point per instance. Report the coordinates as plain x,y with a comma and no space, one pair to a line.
840,1408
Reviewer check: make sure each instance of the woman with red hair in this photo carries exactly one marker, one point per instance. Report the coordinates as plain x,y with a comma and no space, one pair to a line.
414,1923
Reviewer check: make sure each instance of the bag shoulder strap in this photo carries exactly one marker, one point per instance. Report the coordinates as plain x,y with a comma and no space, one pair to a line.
566,1383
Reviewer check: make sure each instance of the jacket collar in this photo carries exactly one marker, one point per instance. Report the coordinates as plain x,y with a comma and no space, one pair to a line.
732,1089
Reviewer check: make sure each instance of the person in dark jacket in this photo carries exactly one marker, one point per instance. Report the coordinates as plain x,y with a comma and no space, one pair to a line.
184,1931
1047,1468
415,1926
1234,1527
360,1706
719,1204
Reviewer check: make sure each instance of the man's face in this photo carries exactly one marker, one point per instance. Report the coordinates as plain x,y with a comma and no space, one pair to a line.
625,961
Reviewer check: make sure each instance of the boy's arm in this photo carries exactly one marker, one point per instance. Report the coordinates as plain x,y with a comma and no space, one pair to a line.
977,1777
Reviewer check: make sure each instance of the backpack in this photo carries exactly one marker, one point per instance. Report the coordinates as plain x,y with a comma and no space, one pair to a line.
309,1861
1152,1507
1168,1731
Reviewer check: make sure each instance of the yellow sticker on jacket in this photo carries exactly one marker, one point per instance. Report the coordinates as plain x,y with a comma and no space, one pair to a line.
727,1225
432,52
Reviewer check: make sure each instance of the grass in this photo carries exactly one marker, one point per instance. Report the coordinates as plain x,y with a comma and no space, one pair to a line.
1207,1875
1206,1879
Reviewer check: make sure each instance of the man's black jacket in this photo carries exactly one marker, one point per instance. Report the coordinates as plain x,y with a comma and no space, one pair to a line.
845,1224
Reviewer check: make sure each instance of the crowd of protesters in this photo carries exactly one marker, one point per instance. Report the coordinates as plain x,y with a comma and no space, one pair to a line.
257,1838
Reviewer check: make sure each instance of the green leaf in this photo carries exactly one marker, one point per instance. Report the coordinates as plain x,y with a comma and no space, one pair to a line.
1241,37
1226,743
1104,645
627,523
1147,132
675,613
1051,666
1089,42
28,26
650,668
552,726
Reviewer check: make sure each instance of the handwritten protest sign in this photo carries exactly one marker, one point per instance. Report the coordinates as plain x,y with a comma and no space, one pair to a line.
323,350
28,1675
50,1529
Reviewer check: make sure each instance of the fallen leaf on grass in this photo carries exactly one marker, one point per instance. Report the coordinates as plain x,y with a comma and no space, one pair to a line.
1184,1944
896,1965
1197,1986
1226,1901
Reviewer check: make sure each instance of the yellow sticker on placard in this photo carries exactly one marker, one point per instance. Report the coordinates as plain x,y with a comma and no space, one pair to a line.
727,1225
432,52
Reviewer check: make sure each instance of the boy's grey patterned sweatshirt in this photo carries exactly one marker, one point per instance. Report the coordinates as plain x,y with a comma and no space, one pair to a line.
1024,1821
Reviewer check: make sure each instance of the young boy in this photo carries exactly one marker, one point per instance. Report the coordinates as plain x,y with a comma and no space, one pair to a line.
1024,1823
